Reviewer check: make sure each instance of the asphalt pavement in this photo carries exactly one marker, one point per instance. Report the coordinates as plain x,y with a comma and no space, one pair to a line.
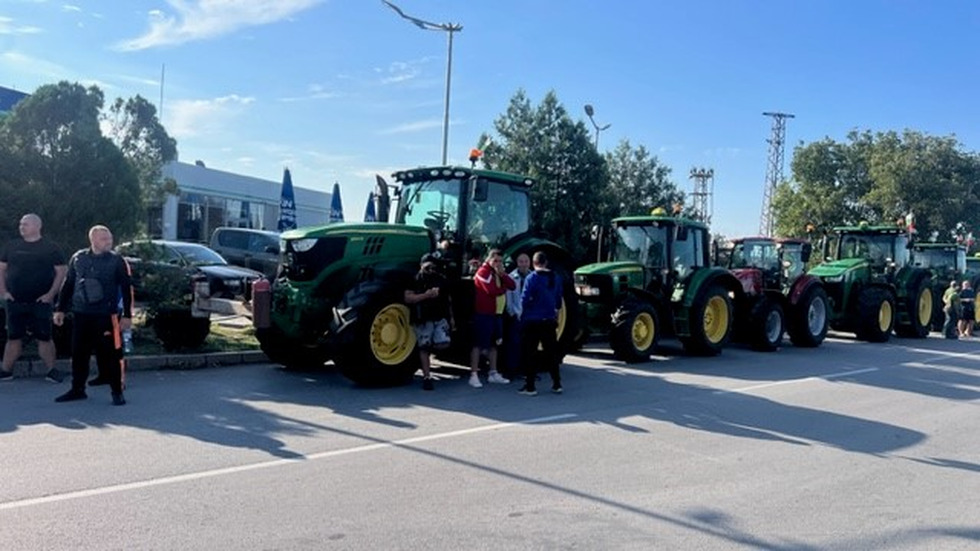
849,446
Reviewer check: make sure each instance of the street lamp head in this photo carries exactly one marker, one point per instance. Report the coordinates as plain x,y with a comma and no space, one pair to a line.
588,110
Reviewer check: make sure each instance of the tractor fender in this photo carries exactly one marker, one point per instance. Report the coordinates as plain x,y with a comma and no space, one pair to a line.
800,287
686,291
557,255
750,280
907,278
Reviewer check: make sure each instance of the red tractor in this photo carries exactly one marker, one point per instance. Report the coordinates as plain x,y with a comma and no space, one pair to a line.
778,295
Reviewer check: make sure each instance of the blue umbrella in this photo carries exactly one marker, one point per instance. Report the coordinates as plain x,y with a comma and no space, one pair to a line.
287,204
369,214
336,209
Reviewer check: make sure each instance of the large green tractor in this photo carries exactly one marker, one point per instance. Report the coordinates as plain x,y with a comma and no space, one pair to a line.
339,294
777,294
947,262
872,285
658,281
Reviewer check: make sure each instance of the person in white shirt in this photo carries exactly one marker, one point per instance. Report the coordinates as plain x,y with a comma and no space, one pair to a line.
512,319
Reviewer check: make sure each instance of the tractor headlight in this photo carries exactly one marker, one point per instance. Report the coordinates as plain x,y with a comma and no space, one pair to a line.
834,279
303,245
587,290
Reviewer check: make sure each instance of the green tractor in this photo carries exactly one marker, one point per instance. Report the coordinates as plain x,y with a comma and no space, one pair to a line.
339,293
658,281
777,293
873,286
947,262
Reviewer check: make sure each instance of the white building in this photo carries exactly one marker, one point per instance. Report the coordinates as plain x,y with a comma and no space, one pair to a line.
212,198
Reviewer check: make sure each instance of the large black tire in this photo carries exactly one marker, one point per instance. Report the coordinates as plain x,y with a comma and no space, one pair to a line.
808,319
378,346
876,314
635,331
710,321
938,317
291,355
570,332
919,309
766,325
177,329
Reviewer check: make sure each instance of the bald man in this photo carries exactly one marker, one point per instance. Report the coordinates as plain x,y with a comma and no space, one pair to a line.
31,271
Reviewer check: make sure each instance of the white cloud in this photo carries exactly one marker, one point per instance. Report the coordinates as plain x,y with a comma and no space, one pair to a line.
7,26
194,20
417,126
70,7
402,71
315,92
35,66
188,118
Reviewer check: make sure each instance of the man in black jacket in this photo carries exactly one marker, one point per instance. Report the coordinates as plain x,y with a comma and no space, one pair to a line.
97,277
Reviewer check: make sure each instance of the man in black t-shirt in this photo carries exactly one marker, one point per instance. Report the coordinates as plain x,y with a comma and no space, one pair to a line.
31,272
432,315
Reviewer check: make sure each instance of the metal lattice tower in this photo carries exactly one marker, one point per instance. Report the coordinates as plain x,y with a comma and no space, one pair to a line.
703,194
774,169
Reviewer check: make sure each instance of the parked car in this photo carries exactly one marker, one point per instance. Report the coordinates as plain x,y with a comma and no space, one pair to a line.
164,277
255,249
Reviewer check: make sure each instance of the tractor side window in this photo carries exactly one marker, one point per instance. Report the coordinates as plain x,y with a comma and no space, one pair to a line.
684,252
502,214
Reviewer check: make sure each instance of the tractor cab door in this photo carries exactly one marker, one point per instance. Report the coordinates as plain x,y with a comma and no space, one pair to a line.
689,251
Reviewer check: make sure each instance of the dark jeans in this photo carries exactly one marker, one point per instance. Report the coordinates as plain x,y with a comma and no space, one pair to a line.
541,333
98,333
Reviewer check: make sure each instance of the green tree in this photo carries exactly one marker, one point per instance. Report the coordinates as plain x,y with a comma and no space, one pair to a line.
638,182
134,127
543,143
62,167
880,178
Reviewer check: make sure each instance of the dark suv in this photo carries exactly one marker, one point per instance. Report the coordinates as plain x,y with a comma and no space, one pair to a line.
255,249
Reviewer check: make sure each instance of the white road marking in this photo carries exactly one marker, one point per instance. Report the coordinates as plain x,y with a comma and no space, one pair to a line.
791,381
54,498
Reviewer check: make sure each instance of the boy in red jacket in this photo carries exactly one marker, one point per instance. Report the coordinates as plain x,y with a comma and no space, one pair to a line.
491,282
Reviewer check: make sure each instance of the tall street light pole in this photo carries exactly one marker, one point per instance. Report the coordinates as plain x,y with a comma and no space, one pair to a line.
590,111
450,28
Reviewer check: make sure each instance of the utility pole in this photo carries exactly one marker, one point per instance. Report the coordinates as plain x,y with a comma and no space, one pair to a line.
774,169
703,194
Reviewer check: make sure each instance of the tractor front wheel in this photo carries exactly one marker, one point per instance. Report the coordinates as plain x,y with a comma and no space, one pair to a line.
766,325
380,350
876,314
635,332
808,319
289,353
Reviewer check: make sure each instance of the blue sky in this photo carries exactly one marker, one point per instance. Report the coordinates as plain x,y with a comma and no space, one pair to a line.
341,90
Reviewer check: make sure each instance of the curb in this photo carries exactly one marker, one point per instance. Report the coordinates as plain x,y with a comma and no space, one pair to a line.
36,368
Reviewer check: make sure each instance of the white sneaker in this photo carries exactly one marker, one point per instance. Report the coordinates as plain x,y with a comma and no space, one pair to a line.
497,378
475,381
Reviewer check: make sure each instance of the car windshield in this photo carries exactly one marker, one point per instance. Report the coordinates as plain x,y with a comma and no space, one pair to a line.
197,255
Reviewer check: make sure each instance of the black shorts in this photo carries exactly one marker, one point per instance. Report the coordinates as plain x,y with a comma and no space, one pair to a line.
25,318
967,313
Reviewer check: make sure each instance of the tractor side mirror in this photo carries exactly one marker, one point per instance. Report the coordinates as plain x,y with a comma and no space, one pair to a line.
805,251
481,189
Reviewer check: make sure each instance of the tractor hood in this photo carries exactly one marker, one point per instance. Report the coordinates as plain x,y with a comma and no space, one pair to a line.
838,267
347,229
609,268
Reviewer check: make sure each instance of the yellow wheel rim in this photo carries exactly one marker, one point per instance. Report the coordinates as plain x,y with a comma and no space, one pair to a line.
715,319
885,316
643,331
925,306
562,319
391,337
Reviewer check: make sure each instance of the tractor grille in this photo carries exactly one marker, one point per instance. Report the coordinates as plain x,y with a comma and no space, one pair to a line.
306,265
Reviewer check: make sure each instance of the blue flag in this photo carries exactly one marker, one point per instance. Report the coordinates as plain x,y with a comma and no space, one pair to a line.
287,204
336,209
369,213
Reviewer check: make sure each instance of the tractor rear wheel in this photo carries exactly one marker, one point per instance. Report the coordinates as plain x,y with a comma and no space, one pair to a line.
919,308
766,325
876,314
808,319
710,322
635,331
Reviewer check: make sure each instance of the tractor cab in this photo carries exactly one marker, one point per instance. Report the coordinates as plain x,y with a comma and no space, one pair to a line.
468,212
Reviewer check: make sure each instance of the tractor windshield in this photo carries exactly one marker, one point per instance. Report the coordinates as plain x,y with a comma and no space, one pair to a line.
879,248
940,259
642,244
494,211
760,254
